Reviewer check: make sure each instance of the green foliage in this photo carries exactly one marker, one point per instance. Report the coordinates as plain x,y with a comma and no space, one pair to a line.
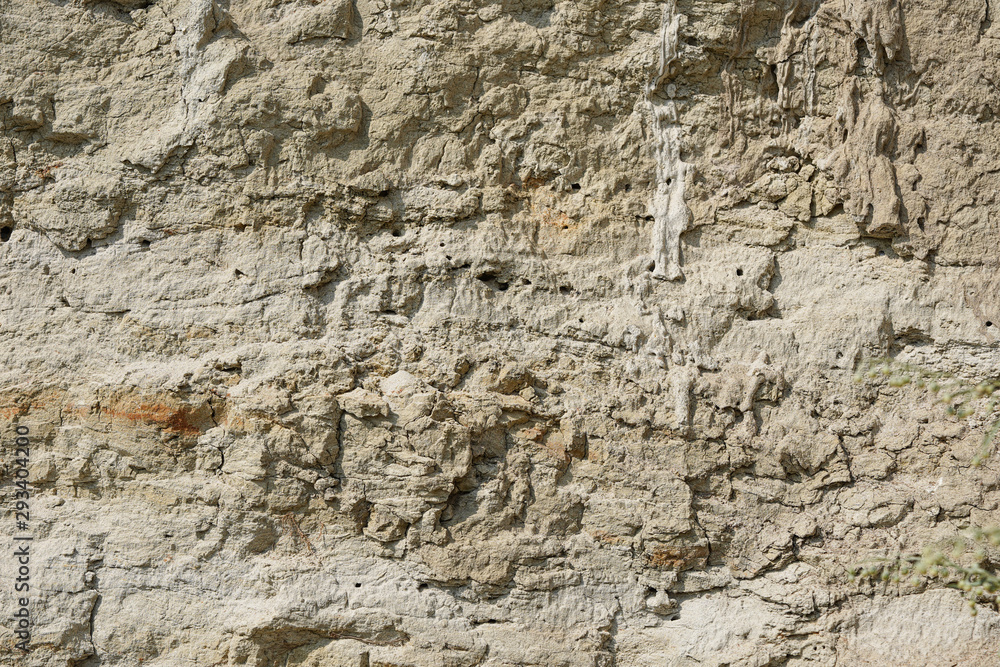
963,566
964,563
961,398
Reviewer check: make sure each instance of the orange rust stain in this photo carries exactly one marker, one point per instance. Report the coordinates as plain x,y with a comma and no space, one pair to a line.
46,172
533,183
677,558
179,417
174,418
533,433
13,407
550,217
555,445
76,409
236,422
607,538
558,452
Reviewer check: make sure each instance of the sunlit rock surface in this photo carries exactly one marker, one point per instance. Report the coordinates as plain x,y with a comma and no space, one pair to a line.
493,333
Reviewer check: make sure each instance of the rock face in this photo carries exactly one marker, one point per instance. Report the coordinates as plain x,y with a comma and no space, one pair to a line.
493,332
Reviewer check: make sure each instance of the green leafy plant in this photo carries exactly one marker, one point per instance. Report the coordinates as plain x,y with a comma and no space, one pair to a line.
961,398
964,566
964,563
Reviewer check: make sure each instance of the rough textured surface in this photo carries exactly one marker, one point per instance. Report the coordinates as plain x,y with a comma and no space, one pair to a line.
493,332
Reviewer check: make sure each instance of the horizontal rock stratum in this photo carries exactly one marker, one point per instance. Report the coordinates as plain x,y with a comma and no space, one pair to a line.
492,332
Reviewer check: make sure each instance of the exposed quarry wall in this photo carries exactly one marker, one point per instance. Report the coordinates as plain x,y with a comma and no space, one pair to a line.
481,332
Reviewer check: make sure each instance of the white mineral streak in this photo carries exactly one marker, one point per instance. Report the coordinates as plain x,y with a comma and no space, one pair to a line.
671,216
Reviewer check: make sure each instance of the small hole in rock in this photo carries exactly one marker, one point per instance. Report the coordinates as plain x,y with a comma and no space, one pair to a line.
581,320
669,181
491,280
88,245
739,272
575,186
651,266
441,245
72,270
422,587
5,233
397,233
565,289
565,226
145,244
238,273
357,585
989,324
628,187
389,312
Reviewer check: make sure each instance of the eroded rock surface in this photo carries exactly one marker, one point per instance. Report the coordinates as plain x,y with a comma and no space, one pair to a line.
493,332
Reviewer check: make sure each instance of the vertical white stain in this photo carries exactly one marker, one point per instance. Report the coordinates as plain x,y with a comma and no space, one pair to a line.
670,214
